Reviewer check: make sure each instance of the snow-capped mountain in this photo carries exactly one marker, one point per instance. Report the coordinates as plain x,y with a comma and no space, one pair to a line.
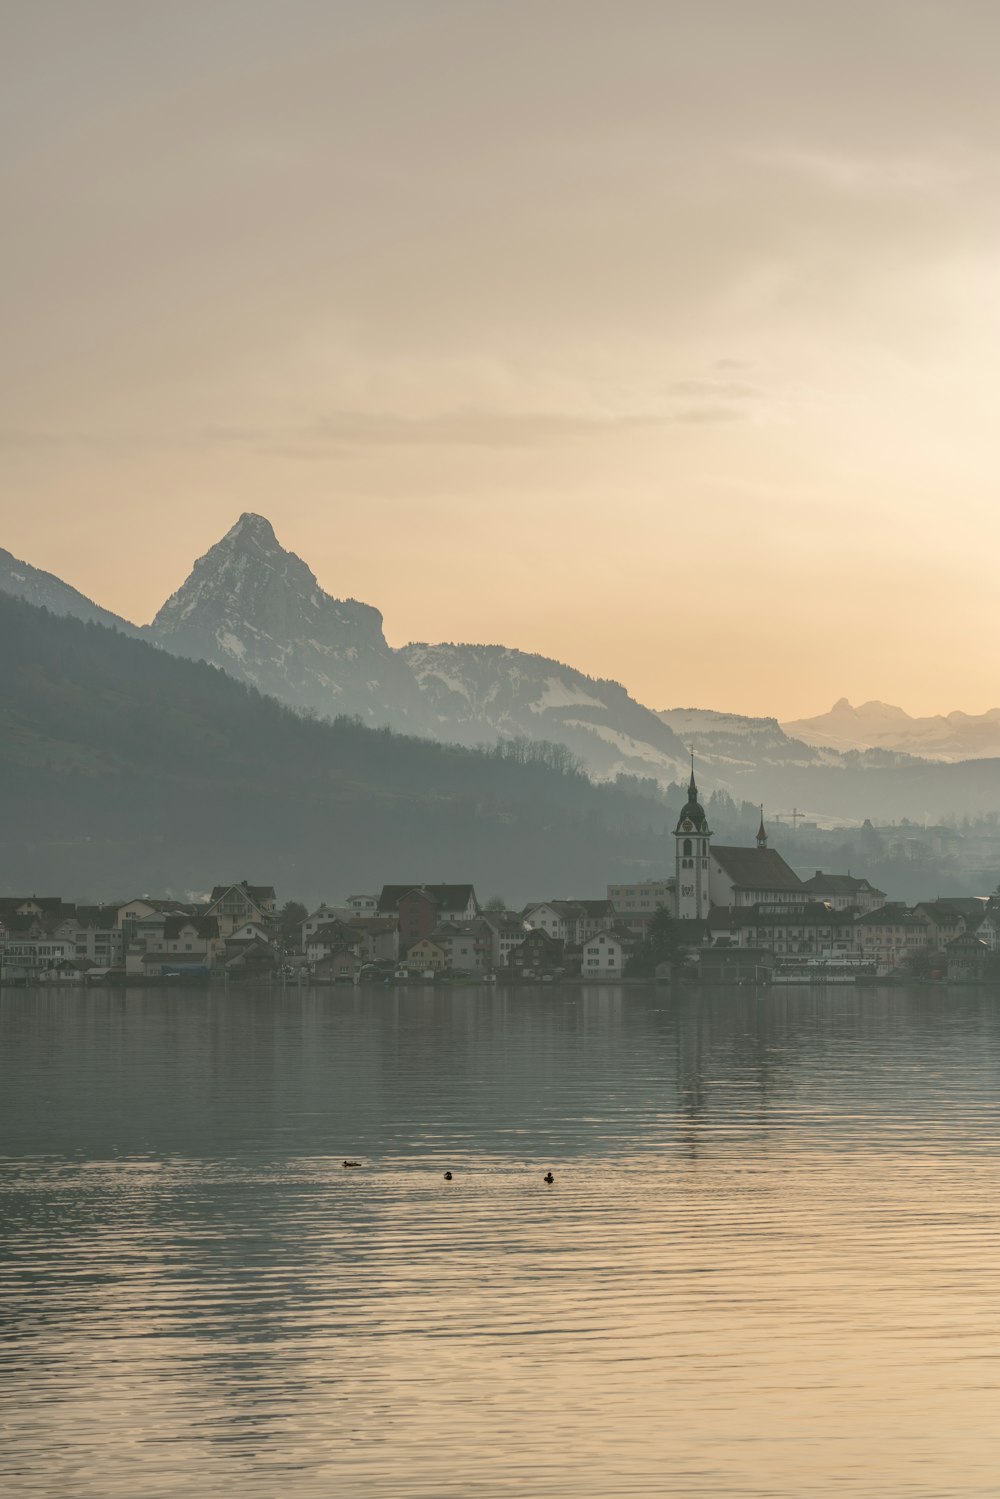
23,581
874,725
257,611
478,693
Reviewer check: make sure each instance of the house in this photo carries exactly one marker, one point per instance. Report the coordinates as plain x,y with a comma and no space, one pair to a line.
603,956
426,956
636,905
891,935
39,955
648,896
190,943
843,892
461,946
380,937
987,929
320,917
362,905
234,905
250,931
807,928
571,921
341,966
132,912
944,921
49,907
250,960
967,958
420,908
539,955
505,930
97,936
330,938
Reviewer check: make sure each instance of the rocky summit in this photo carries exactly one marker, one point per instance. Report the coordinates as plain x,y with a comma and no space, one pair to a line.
258,612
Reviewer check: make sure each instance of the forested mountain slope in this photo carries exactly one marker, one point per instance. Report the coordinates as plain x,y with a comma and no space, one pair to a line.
124,768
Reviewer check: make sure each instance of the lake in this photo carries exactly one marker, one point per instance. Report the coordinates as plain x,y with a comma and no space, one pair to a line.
769,1264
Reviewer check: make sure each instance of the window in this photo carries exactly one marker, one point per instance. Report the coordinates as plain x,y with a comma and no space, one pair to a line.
687,848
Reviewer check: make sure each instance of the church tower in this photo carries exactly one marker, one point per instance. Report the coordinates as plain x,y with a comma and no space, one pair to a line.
692,837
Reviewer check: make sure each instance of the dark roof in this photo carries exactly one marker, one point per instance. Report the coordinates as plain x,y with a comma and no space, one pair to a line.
451,897
725,918
338,932
943,911
51,905
101,917
967,906
756,868
539,937
256,893
838,884
891,914
173,906
504,921
810,913
597,907
205,926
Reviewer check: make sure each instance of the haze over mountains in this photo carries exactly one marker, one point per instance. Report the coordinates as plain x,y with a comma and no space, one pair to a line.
875,725
256,611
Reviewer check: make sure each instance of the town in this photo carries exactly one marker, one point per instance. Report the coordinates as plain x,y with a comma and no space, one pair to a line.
727,915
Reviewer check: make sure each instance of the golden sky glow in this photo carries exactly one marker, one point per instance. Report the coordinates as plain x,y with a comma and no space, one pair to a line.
658,337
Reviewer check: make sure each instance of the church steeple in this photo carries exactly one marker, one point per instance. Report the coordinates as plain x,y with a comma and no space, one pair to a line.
692,837
692,818
762,832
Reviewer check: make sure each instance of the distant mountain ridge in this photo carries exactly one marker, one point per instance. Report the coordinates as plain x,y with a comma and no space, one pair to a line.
875,725
257,611
22,581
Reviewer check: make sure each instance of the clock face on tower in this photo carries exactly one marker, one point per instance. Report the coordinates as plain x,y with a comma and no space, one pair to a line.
687,825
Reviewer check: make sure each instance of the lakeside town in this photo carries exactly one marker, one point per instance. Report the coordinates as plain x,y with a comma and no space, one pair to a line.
727,915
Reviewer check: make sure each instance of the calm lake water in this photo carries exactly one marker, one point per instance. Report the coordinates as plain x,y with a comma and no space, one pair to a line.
769,1264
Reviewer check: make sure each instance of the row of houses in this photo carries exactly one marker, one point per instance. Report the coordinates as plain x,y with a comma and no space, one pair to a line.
954,935
233,931
419,930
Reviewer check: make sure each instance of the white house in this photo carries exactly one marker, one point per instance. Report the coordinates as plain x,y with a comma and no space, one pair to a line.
603,957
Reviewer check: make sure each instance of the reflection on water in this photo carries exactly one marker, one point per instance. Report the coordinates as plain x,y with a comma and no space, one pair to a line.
769,1263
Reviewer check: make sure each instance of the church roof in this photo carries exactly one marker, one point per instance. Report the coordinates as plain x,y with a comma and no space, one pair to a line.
837,884
756,868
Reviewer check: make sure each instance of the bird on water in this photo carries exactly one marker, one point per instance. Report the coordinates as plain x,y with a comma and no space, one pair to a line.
548,1177
352,1163
447,1176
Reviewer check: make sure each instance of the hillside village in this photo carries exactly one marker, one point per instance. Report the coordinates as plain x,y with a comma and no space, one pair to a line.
727,915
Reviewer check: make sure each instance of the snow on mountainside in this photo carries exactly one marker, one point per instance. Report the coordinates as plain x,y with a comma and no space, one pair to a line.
733,746
23,581
477,693
258,612
874,725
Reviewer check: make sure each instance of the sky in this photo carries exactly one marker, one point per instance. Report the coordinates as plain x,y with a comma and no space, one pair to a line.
662,338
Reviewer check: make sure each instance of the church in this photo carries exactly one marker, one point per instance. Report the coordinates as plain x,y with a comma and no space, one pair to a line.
709,875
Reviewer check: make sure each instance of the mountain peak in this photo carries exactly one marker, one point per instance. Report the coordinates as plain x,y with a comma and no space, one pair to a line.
254,528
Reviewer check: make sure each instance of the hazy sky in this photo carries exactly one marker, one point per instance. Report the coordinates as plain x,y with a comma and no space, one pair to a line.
659,337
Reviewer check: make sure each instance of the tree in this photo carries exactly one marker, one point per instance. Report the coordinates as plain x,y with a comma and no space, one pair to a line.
664,944
290,918
495,906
